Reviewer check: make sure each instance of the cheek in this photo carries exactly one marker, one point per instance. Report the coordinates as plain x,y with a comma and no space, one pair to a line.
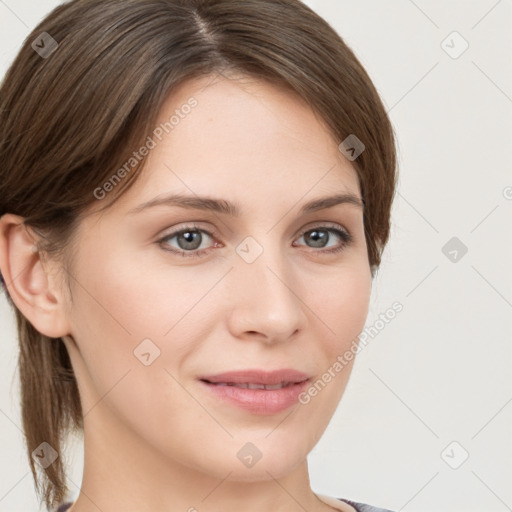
110,324
131,300
341,305
122,314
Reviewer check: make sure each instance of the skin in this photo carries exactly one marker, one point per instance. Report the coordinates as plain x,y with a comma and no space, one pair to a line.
154,439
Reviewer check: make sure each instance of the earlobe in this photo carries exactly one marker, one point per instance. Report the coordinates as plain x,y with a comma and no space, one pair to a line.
32,289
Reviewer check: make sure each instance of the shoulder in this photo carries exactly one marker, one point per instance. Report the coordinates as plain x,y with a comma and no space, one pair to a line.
360,507
355,505
363,507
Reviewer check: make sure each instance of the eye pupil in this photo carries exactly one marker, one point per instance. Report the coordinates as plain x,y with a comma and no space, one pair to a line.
318,236
189,237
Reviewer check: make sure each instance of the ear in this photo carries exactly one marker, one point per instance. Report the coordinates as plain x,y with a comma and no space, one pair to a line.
34,291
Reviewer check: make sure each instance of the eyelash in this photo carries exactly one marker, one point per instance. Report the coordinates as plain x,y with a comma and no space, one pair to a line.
345,236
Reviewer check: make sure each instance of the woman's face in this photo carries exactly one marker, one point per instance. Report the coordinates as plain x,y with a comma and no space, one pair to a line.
155,310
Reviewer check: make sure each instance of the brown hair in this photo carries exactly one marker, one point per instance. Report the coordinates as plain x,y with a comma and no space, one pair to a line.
72,117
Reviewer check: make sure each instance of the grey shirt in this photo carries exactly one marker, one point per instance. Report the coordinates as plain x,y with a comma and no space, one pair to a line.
363,507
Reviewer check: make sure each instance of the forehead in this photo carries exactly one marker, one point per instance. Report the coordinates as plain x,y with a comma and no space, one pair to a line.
242,139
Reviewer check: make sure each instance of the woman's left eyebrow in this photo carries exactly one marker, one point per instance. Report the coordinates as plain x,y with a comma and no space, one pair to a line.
234,210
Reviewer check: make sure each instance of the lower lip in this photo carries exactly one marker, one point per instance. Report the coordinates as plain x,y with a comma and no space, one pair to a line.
259,401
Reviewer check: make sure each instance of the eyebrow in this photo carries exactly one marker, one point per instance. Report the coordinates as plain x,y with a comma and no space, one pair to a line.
234,210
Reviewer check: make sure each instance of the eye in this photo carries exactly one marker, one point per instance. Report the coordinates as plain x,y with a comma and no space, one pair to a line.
319,236
190,238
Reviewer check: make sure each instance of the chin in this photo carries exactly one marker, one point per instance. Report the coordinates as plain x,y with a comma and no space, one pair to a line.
273,467
270,459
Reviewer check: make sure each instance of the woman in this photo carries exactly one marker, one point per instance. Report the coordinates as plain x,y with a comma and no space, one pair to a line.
195,197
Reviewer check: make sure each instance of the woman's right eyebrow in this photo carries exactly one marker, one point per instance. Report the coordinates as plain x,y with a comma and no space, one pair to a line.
192,203
226,207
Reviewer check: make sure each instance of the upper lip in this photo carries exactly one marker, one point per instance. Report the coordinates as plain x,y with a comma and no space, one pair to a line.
257,377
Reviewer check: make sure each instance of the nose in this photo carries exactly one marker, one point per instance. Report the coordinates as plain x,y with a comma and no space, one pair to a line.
266,299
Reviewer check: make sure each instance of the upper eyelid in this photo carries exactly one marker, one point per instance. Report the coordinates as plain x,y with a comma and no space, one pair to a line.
215,232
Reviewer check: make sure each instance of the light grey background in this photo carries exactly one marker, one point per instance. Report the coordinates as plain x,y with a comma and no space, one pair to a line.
439,372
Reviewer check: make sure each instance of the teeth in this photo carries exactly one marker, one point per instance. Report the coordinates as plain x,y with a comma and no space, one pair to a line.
254,386
276,386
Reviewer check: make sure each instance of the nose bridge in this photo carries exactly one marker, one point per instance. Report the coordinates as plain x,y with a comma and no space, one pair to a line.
265,301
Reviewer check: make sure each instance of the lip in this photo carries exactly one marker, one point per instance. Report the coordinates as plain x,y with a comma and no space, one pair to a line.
258,376
258,401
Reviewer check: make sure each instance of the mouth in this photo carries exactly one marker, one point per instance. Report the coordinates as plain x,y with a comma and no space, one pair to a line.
257,391
253,385
257,377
